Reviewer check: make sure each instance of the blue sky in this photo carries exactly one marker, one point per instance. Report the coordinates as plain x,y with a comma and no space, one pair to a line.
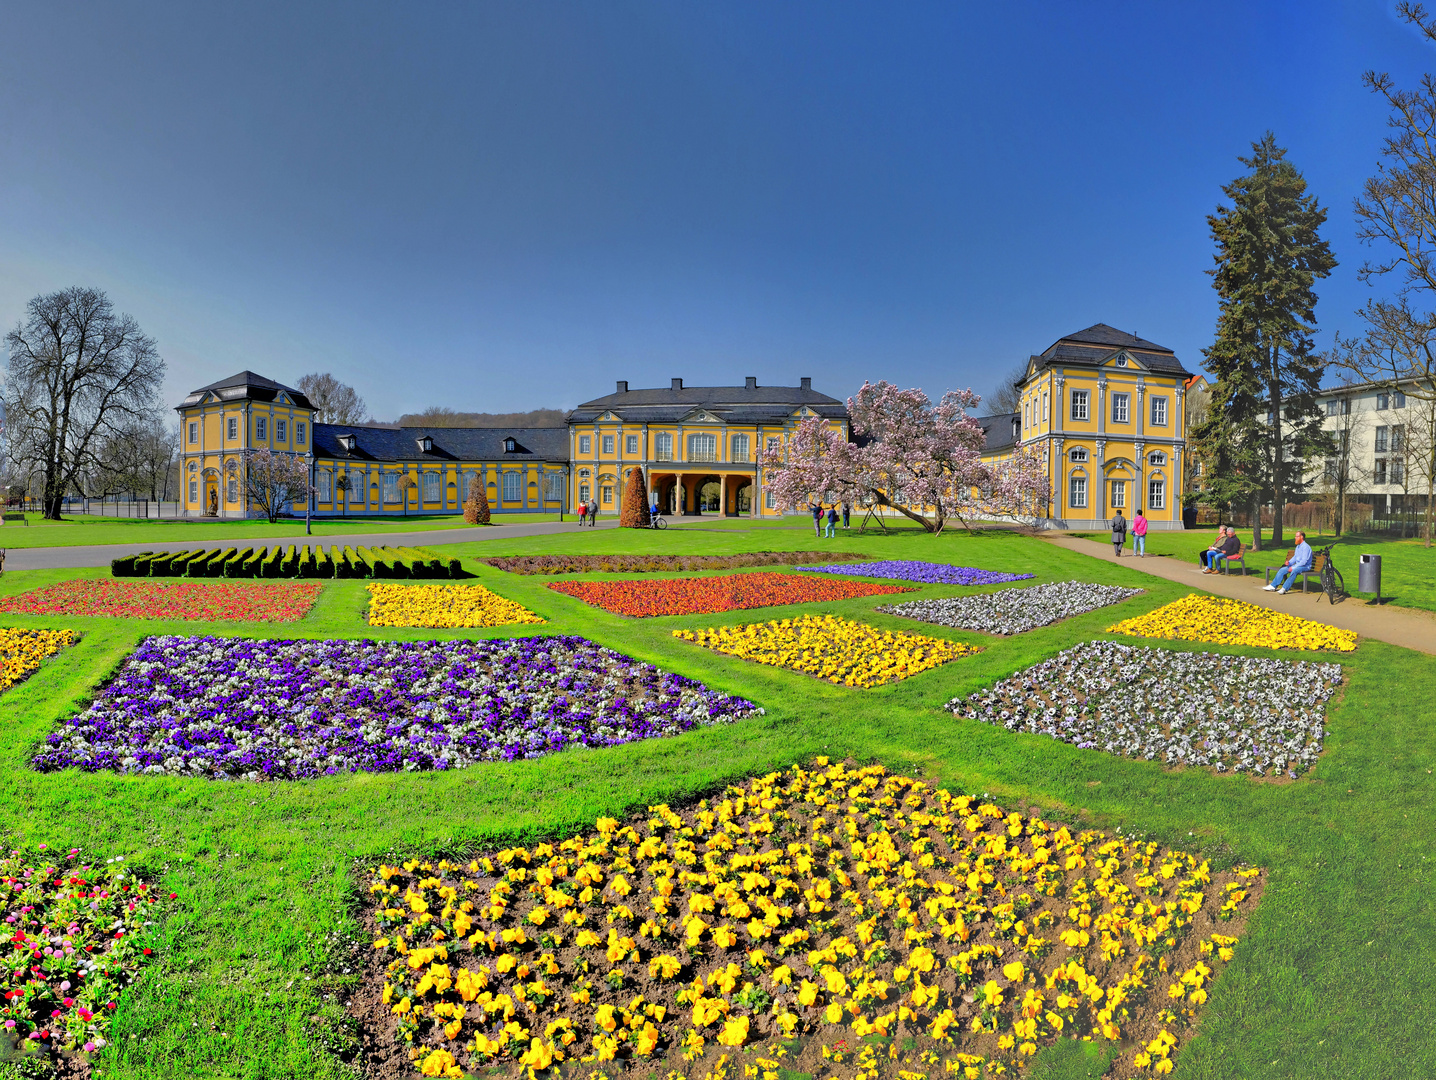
503,206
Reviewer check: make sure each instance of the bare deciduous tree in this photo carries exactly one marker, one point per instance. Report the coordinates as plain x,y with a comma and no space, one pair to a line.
272,480
333,401
79,375
1007,397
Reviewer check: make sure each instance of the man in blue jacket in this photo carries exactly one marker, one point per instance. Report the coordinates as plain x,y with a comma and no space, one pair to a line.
1301,560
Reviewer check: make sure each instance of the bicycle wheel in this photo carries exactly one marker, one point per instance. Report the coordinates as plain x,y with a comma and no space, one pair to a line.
660,523
1337,586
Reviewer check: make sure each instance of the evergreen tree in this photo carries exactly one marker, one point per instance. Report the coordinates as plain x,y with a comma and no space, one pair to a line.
1264,422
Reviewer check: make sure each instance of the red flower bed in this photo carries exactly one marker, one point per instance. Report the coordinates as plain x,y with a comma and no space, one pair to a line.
163,600
704,596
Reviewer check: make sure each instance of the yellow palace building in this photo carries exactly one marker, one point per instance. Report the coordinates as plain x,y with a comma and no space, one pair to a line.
1107,410
357,468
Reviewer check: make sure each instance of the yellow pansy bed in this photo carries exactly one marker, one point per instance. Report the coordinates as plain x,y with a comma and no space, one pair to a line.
806,918
1234,622
22,652
839,650
443,607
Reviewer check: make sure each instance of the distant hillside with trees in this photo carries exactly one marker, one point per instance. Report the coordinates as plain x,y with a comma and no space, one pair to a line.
439,417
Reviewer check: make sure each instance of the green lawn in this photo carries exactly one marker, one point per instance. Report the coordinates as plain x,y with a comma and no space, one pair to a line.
79,531
1408,567
1331,980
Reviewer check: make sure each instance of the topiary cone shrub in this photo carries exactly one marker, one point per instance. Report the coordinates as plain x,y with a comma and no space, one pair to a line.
476,507
635,513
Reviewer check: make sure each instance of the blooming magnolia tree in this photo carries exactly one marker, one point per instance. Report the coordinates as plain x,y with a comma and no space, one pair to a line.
920,459
271,480
1018,487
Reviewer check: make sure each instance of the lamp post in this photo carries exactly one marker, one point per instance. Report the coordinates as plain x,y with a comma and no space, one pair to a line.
309,495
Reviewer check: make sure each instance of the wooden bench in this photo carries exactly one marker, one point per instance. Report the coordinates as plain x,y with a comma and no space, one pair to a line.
1318,563
10,519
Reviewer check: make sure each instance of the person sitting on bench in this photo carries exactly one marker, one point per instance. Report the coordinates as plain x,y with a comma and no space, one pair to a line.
1299,562
1232,545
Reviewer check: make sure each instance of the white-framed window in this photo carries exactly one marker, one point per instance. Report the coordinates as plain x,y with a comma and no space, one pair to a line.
281,430
583,491
1398,399
431,487
740,448
774,443
1383,402
1332,407
1077,453
630,444
261,428
1119,494
389,486
1120,405
193,431
231,489
703,448
1159,412
299,432
1026,414
231,428
1121,361
1382,434
585,444
663,446
1156,457
1044,406
1379,473
356,487
512,481
1077,492
194,491
1156,493
324,484
1079,407
607,445
770,501
608,494
553,487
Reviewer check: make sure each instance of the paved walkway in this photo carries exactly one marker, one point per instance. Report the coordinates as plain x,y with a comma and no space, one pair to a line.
1406,627
65,558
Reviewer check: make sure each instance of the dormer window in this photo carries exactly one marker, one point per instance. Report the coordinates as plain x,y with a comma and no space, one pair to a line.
347,441
426,445
510,446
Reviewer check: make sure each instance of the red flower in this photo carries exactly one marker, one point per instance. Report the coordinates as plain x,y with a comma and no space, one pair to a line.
284,602
147,952
706,595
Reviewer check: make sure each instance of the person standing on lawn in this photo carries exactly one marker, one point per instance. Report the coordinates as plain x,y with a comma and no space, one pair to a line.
1299,562
847,513
1119,532
816,509
1139,534
832,521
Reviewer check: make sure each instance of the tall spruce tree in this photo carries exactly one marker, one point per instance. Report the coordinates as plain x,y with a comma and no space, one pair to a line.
1264,423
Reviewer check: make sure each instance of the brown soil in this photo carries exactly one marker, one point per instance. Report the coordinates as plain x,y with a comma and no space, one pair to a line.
654,564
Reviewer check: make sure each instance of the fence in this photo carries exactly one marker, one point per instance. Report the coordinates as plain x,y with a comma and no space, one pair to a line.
120,507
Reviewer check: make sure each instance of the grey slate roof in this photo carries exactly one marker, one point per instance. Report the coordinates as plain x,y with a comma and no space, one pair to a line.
1097,343
246,385
735,404
998,430
450,444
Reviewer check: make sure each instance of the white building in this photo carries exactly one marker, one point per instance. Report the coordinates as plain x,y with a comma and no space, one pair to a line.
1383,436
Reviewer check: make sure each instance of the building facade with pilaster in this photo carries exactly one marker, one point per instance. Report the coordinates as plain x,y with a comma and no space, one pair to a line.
699,446
1108,410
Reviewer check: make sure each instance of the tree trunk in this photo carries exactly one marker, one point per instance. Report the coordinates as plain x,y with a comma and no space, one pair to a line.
1256,522
1430,484
882,500
1277,487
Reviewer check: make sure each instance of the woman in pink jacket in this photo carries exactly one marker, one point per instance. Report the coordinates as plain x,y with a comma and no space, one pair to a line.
1139,534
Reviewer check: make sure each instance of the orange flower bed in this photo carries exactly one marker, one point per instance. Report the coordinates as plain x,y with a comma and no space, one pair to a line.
704,596
165,600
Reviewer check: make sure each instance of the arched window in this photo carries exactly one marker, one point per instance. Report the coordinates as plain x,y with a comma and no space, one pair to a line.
1077,453
1156,457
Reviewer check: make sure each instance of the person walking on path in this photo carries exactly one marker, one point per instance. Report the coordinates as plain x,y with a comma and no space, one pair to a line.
593,513
1299,562
1139,534
582,513
817,511
1119,532
847,514
832,521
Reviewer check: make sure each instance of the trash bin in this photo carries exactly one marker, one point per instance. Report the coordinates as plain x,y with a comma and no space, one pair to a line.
1368,575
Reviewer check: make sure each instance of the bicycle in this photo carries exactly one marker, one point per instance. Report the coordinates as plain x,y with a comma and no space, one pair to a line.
1331,580
657,522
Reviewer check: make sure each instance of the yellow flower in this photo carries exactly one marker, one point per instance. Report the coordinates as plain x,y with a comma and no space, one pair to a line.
443,606
735,1032
1234,622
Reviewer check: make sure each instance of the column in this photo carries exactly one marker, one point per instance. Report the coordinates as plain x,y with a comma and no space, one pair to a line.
1100,474
1101,405
1059,410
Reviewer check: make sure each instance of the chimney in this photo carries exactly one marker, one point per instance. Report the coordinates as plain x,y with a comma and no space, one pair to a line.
750,383
677,384
623,386
805,383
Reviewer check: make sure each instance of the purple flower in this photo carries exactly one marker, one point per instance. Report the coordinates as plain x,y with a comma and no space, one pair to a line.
283,710
927,573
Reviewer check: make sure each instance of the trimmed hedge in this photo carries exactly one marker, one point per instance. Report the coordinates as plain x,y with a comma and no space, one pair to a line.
289,561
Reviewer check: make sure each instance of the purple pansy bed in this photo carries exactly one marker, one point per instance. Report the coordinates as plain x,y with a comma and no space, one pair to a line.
926,573
281,710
